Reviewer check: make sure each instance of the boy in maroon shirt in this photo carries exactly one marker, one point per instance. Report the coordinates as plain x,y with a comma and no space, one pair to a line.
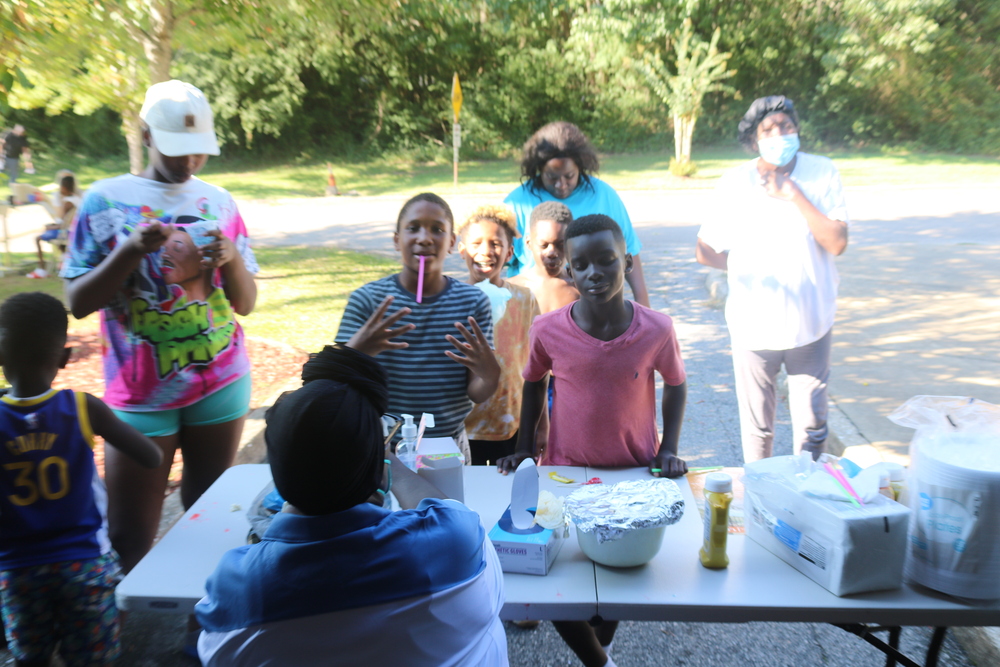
603,351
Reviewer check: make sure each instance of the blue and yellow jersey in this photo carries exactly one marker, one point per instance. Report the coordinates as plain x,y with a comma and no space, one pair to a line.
53,505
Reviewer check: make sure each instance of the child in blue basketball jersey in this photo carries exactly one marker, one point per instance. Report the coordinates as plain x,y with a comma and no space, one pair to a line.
57,570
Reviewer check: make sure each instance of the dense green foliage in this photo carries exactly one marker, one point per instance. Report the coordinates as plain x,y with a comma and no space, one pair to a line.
347,80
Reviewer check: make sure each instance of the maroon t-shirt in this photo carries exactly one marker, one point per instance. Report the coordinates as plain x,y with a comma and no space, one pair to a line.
604,408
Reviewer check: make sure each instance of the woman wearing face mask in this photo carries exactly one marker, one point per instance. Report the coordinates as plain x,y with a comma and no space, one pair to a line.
780,222
559,164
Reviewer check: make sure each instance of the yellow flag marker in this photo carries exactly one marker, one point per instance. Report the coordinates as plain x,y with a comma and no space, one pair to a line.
456,96
456,129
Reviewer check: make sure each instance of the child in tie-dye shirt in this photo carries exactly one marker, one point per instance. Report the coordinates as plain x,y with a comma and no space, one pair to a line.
485,244
165,257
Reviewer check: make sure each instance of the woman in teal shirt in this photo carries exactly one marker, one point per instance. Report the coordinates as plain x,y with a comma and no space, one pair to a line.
558,165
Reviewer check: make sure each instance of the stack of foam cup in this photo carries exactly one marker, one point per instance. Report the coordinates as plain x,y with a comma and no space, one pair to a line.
954,490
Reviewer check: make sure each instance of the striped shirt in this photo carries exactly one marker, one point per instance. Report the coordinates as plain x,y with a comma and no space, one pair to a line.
421,377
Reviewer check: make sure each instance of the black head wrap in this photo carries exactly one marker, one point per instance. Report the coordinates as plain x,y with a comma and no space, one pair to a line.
761,108
324,441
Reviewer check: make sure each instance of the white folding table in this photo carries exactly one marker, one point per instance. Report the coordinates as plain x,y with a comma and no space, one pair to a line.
757,586
171,578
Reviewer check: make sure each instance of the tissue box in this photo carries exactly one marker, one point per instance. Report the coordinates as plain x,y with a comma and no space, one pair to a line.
436,449
843,548
528,551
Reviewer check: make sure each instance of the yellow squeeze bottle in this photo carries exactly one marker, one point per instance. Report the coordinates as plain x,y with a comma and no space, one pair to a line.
718,497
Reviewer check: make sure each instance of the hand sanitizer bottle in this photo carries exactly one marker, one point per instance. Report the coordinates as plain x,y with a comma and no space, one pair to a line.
406,450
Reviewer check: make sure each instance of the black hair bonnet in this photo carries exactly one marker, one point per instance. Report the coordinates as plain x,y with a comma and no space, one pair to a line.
324,441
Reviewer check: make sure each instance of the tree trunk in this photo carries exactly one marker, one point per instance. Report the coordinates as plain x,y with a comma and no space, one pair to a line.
678,137
159,48
133,136
688,135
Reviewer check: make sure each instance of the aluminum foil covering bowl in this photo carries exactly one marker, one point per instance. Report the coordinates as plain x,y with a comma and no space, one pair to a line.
622,524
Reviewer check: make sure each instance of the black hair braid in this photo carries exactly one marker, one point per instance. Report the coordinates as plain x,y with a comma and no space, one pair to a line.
355,369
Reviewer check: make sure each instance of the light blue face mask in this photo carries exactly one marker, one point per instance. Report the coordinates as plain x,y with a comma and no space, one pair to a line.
778,150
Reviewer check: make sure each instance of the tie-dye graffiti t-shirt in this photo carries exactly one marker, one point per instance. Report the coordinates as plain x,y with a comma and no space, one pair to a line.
170,337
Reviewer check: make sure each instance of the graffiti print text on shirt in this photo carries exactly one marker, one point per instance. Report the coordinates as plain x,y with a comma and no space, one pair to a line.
193,333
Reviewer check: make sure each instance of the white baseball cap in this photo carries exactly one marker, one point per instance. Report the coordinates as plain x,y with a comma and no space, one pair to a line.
179,119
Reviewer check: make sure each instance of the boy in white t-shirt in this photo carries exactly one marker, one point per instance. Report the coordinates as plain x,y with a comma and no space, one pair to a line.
64,205
782,221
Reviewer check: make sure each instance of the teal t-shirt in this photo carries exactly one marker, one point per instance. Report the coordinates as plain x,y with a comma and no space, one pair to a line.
598,197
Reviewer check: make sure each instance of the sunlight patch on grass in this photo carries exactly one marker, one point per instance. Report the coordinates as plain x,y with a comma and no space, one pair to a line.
302,292
398,177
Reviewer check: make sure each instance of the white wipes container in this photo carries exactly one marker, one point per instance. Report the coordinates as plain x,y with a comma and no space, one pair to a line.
954,491
844,548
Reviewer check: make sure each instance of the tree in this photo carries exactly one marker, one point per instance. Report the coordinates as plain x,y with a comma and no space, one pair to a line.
15,24
928,71
700,69
108,52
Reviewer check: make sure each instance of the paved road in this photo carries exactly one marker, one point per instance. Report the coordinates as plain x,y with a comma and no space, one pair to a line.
918,314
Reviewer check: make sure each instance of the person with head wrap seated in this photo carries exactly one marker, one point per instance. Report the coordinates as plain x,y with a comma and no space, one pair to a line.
336,579
780,222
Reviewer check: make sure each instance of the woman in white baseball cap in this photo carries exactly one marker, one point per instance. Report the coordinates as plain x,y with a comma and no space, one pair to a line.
175,361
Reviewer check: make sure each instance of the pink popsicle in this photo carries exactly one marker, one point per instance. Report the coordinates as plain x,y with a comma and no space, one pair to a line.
420,281
844,483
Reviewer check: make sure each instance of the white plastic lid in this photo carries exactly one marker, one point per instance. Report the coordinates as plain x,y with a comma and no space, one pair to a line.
409,429
897,471
718,482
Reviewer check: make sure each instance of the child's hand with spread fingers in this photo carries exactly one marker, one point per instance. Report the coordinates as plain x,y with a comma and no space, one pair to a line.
479,359
377,333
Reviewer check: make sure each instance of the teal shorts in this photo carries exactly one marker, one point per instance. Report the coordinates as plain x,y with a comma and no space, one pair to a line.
229,403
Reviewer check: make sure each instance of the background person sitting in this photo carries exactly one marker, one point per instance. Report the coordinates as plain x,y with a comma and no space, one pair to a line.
337,580
63,208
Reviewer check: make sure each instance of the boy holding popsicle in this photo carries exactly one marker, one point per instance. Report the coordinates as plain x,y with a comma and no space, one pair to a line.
604,353
430,369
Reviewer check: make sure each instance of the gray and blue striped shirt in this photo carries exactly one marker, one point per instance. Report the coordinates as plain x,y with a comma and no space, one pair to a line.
421,377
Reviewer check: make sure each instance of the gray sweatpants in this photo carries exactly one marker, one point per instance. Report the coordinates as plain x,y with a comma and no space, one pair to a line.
808,369
10,166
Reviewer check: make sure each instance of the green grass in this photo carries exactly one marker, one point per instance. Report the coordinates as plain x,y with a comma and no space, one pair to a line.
302,292
857,168
399,177
16,282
